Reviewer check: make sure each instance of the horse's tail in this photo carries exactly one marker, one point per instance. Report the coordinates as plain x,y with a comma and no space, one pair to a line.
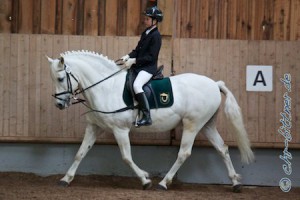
235,120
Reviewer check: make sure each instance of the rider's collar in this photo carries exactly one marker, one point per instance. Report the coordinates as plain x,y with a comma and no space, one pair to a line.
150,29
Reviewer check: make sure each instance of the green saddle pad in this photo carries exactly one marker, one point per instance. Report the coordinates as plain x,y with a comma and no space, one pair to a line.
159,94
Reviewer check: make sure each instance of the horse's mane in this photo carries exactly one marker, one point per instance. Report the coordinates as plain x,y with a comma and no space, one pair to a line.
87,53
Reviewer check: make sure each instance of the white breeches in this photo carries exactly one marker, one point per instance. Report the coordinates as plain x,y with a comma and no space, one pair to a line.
142,78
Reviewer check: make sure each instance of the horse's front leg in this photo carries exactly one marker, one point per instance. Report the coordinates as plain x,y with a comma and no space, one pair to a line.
122,138
87,143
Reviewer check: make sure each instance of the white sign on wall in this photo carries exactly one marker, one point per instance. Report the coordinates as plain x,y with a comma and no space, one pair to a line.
259,78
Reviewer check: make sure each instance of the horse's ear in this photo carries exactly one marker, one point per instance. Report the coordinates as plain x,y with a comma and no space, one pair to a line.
62,60
49,59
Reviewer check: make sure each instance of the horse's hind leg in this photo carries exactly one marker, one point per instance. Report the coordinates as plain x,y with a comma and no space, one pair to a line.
87,143
212,134
122,138
190,130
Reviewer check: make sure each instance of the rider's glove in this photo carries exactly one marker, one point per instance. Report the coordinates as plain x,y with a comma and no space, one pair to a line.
125,58
130,62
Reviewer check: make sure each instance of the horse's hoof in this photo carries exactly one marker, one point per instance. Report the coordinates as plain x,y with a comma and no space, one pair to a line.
147,186
160,187
63,184
237,188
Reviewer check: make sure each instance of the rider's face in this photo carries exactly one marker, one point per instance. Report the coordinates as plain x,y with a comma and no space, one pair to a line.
148,21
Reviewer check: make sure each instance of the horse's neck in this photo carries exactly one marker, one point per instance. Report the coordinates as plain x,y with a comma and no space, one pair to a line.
98,64
91,69
94,69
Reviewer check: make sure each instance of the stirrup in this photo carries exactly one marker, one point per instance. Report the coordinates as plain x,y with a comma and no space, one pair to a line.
135,123
146,123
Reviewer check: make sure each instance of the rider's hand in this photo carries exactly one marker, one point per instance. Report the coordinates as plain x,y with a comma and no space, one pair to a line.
125,58
130,62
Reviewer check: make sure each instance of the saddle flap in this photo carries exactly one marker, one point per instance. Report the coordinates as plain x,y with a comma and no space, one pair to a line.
159,91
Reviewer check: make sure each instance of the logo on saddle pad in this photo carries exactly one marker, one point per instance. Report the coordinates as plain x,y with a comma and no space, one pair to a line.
159,93
164,98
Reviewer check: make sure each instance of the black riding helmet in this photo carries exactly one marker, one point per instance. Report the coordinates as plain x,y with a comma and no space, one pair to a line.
154,13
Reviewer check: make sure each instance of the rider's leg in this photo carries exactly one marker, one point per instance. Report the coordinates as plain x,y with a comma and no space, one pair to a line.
142,78
144,107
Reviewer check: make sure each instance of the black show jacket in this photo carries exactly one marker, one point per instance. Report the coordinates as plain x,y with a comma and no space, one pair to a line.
146,52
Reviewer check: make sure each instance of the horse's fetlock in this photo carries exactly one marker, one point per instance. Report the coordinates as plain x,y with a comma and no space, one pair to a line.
236,177
169,181
146,174
67,178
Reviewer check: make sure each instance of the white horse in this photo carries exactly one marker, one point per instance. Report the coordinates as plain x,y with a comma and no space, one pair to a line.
196,102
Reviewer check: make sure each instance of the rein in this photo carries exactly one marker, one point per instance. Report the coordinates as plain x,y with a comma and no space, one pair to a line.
82,90
78,91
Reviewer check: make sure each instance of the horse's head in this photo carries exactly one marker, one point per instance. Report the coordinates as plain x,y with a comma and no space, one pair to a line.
64,81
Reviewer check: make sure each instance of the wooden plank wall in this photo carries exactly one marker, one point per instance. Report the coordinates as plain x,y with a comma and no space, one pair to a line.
238,19
227,60
76,17
27,111
210,19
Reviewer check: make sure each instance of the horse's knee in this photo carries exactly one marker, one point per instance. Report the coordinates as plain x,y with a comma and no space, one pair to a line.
78,157
182,156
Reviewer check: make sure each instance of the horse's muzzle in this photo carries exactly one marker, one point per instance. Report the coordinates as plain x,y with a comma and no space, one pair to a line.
60,105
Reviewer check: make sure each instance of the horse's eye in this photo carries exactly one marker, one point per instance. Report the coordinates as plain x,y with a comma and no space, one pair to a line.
60,79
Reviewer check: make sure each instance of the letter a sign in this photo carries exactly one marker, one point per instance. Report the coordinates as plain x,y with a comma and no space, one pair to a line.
259,78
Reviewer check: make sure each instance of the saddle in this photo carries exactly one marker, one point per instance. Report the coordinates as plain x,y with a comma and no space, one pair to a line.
158,90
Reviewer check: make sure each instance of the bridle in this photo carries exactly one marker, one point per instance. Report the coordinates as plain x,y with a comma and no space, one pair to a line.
73,94
69,84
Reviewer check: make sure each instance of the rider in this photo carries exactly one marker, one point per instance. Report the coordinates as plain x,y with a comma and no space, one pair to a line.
143,60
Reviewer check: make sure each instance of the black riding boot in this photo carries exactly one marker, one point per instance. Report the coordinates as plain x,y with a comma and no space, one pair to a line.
144,107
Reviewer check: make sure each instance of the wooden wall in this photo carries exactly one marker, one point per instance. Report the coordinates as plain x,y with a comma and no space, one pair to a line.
227,60
238,19
210,19
72,17
27,111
